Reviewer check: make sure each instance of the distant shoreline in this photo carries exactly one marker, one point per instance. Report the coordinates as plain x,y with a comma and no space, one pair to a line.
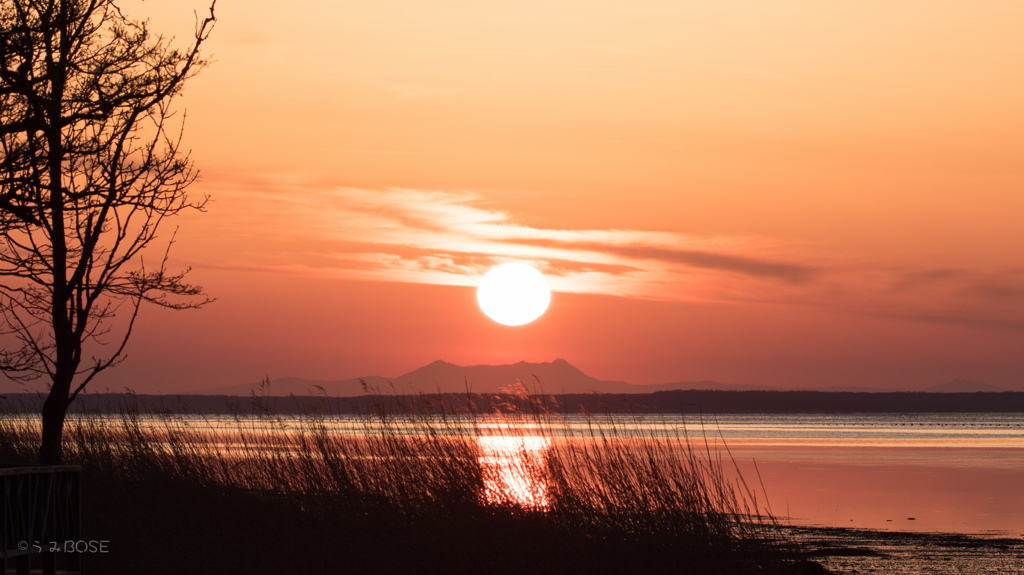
683,401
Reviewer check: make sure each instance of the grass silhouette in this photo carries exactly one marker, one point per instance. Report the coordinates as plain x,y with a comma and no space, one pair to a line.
412,486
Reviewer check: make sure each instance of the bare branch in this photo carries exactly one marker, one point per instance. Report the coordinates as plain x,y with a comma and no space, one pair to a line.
91,162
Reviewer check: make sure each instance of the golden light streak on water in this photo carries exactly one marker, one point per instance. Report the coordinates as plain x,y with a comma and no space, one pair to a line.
512,459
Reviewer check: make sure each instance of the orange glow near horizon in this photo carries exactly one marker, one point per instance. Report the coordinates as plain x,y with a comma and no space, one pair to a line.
773,194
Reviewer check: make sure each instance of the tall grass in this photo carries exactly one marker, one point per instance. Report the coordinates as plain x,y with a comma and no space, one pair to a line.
600,496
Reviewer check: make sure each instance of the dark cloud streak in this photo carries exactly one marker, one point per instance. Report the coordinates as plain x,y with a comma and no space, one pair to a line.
791,273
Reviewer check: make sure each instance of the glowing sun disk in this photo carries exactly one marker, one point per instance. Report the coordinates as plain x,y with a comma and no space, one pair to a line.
513,294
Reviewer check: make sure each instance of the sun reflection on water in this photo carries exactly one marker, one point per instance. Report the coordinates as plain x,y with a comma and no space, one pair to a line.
512,458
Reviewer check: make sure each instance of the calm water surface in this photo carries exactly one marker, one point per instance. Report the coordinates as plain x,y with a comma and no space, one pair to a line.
959,473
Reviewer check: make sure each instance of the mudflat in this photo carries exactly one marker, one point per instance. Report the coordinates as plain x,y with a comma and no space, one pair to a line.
856,551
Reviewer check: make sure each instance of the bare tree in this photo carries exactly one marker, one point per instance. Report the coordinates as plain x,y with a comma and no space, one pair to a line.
90,165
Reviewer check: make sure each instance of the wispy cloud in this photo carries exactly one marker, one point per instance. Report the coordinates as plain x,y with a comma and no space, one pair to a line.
453,238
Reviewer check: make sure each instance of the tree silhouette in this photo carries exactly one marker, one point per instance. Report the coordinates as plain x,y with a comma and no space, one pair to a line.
90,165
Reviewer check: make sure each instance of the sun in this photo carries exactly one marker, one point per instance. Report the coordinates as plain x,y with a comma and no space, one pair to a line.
513,294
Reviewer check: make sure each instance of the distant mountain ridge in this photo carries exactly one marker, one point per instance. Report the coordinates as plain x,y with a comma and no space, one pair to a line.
556,377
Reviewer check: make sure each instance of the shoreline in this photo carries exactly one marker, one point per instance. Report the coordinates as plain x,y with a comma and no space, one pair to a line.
847,551
691,401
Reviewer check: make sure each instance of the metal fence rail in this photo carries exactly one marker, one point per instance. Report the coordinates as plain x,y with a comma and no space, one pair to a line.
40,509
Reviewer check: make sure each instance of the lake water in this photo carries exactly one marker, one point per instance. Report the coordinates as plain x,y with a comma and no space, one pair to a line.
946,472
960,473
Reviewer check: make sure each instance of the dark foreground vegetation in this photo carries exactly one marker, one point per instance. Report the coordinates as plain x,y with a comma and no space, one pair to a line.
410,489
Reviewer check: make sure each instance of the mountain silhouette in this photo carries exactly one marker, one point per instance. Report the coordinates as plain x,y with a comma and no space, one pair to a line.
555,377
558,376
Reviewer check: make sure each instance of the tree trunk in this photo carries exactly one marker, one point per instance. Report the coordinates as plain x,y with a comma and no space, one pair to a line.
51,448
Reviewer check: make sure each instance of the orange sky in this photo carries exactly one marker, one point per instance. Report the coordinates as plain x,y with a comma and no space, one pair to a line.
762,193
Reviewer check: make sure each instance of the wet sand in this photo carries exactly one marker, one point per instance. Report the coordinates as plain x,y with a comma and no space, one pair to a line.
853,551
